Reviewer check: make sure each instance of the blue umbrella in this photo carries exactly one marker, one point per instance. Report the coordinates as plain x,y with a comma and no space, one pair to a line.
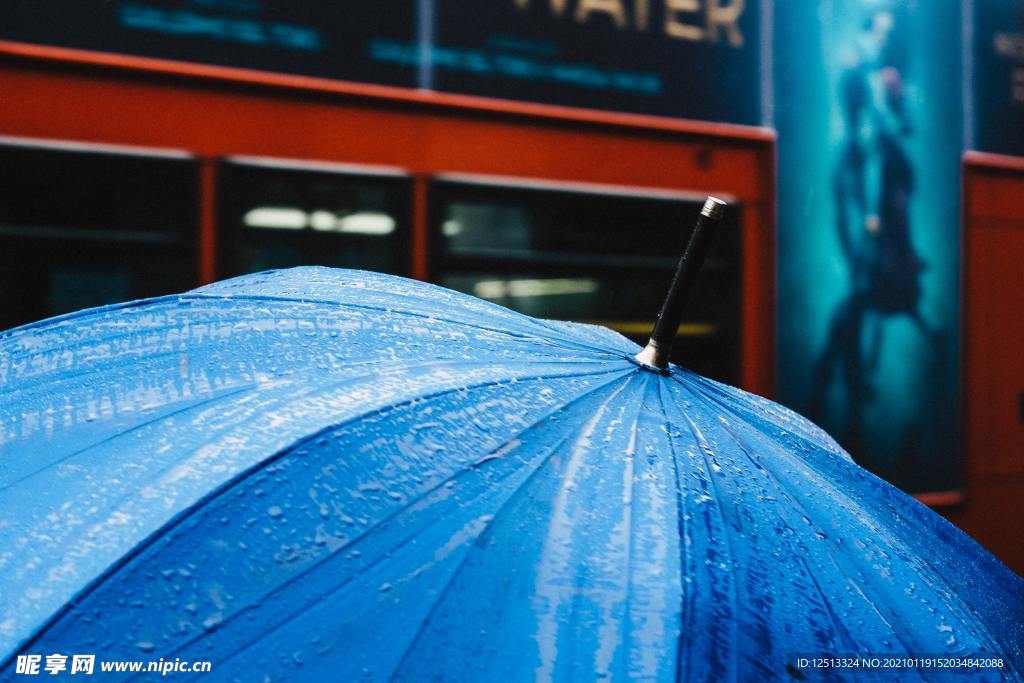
338,475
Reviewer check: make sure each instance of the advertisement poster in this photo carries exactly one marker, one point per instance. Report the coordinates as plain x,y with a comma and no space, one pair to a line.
868,109
681,58
323,39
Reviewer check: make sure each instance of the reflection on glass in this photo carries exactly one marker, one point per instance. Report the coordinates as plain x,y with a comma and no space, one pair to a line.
526,289
283,218
597,258
72,289
275,218
278,216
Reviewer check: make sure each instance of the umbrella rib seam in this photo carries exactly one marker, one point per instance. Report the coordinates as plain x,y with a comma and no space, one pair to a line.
182,516
540,465
398,512
698,438
874,603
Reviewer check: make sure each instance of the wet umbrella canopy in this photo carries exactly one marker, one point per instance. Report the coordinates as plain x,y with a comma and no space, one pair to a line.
336,475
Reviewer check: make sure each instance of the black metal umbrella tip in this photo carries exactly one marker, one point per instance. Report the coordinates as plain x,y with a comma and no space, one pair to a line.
658,349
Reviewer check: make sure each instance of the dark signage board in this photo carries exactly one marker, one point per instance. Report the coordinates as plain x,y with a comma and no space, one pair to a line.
308,37
696,59
683,58
998,85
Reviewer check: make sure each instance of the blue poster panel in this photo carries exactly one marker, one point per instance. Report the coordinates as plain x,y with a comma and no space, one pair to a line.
997,86
869,118
696,59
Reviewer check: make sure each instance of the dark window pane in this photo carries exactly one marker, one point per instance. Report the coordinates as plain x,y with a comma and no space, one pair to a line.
590,257
78,192
83,226
72,288
544,225
276,216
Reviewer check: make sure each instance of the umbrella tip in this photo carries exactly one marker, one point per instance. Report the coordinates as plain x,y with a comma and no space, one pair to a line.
656,353
714,208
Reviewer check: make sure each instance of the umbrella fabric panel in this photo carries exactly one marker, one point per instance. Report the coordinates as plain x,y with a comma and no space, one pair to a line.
115,420
884,573
761,582
647,540
409,300
332,473
359,580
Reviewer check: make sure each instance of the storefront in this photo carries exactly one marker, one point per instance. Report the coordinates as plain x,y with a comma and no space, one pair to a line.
553,166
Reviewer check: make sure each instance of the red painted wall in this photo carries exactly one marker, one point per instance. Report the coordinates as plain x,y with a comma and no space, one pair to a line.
993,355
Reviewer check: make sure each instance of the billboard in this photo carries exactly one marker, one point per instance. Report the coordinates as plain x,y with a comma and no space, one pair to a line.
681,58
869,118
327,39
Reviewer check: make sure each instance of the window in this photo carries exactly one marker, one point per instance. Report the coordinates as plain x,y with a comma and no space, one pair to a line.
86,225
589,255
277,214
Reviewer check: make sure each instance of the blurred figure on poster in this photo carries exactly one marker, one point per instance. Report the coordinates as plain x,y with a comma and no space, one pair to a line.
872,185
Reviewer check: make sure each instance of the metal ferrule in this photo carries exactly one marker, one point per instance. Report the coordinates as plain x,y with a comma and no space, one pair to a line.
713,208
